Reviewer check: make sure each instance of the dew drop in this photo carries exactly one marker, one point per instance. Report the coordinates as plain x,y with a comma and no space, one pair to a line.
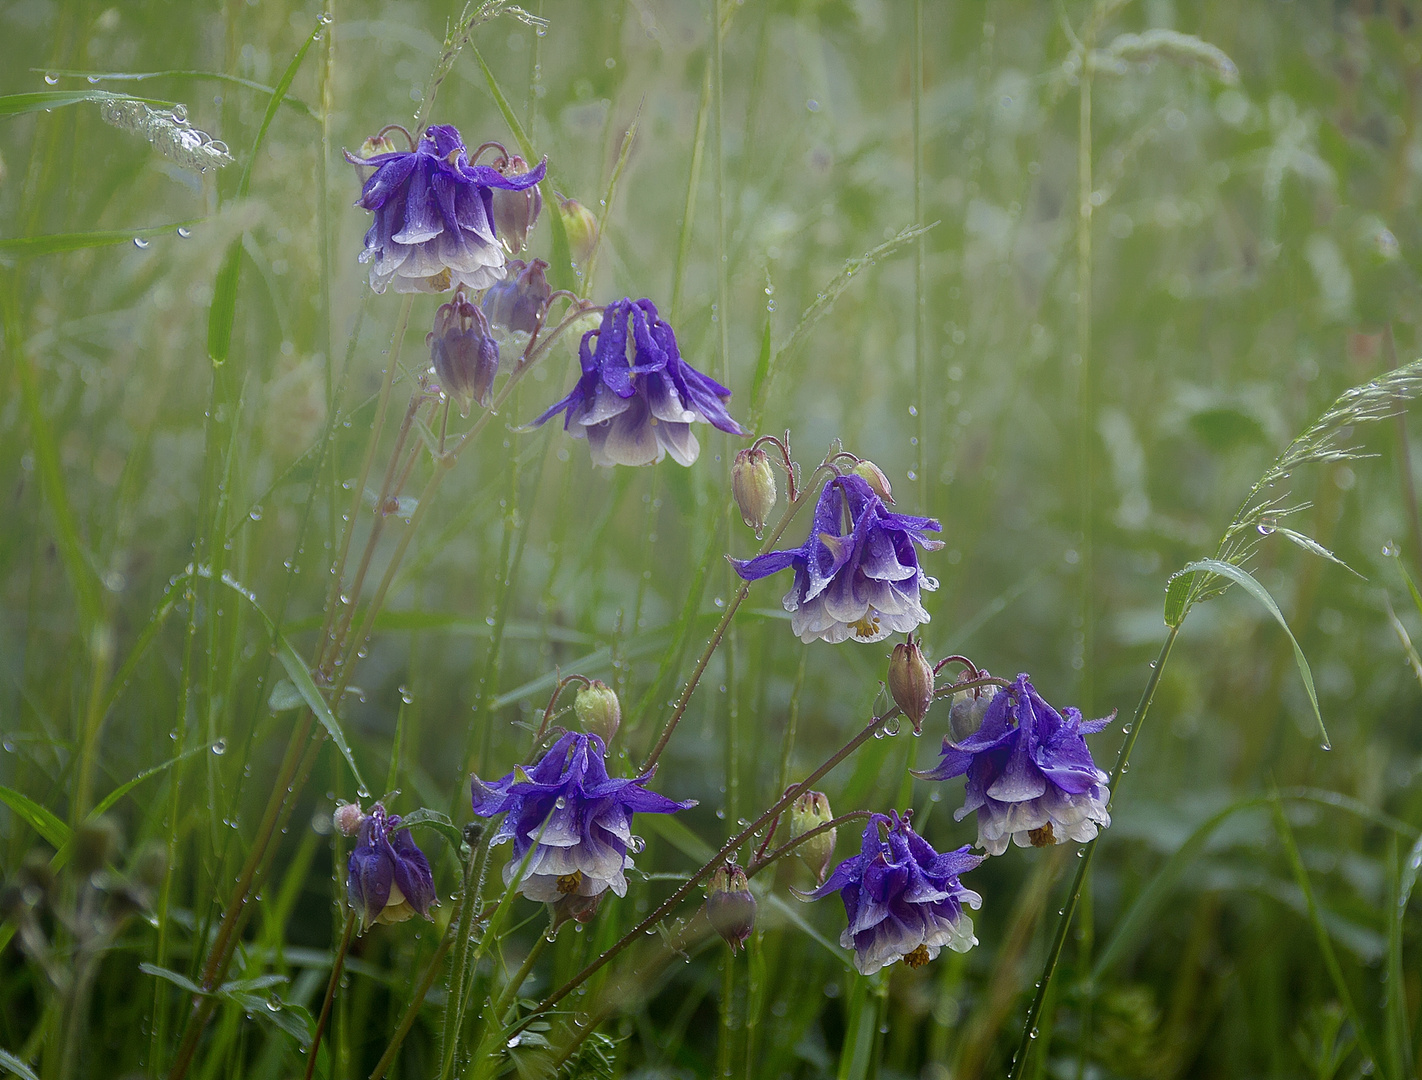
184,232
256,513
219,747
93,80
51,79
140,243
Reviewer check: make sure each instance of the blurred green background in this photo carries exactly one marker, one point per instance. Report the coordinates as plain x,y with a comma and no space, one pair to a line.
1253,251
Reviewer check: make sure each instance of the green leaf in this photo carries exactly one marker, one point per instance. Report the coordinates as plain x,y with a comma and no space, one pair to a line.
44,100
676,834
179,980
296,670
1313,547
36,816
440,823
1177,597
1246,580
27,247
10,1062
762,364
284,697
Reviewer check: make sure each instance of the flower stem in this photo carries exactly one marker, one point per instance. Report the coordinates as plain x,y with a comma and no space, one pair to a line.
337,965
511,990
761,862
417,999
716,635
1088,850
791,794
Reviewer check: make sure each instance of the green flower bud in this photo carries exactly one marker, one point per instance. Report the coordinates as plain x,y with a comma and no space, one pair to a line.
911,682
966,714
581,227
810,811
598,710
753,484
874,476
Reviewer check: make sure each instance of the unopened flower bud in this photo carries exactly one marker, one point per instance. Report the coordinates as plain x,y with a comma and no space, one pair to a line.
575,906
753,484
581,227
810,811
969,706
520,300
598,710
730,905
911,682
347,818
376,144
464,352
515,212
874,476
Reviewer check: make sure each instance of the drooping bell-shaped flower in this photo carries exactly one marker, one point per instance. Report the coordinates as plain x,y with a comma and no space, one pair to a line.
1031,778
434,227
388,878
862,582
635,410
516,211
464,353
903,900
730,905
569,820
519,302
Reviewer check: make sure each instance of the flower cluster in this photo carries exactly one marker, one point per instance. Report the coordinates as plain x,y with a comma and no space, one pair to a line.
636,411
902,899
856,574
570,823
1031,778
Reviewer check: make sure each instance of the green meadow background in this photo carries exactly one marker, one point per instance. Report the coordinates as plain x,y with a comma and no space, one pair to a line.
1082,397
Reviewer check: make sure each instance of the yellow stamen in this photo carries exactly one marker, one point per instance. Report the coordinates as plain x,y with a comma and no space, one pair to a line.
568,883
918,957
868,626
439,282
1043,837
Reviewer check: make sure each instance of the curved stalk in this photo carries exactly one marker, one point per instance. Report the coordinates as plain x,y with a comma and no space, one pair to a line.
1029,1029
337,965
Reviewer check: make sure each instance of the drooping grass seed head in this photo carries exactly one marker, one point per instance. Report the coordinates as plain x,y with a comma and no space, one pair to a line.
598,710
730,905
464,353
518,303
911,682
516,211
753,485
810,811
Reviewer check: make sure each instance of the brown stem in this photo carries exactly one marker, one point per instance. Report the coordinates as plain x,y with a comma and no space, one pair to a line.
552,701
791,794
790,845
336,966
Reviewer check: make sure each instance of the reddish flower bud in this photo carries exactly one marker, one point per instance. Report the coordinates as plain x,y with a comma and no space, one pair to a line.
516,212
730,905
464,352
348,818
911,682
521,299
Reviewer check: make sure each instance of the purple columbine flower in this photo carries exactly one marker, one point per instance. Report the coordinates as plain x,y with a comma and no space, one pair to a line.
575,819
1030,775
388,878
635,412
862,582
902,899
434,216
